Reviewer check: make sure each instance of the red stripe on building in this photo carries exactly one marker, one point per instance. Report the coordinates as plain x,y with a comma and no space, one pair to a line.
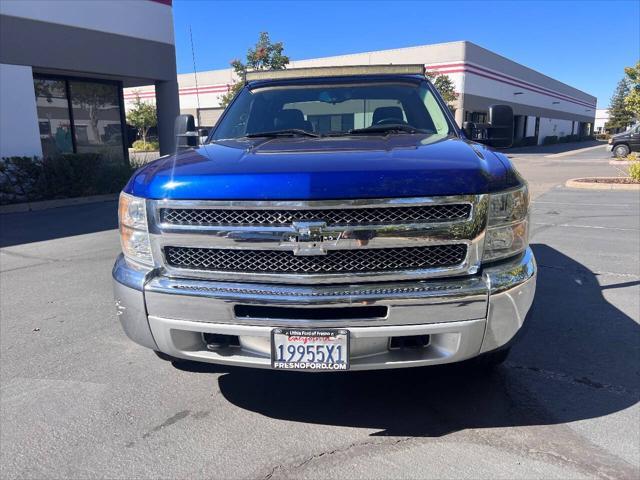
183,91
445,68
516,84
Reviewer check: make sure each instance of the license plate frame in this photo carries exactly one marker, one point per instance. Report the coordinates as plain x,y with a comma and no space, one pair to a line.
310,337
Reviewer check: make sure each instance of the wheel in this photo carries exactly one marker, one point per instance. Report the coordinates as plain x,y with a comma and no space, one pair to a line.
621,150
490,360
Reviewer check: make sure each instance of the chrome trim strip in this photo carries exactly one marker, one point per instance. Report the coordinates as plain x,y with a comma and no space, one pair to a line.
408,302
314,204
325,294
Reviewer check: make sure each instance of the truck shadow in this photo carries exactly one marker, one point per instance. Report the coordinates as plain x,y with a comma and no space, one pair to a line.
576,361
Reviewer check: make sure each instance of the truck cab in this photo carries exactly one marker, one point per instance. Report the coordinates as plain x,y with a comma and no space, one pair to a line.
335,219
621,144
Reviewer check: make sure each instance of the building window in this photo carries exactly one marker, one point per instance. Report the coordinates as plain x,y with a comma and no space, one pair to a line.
80,116
475,117
53,116
96,113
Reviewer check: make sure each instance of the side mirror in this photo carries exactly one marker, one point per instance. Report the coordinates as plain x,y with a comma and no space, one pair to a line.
497,133
184,129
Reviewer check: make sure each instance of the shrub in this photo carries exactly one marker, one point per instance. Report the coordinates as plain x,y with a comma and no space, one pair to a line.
634,171
19,176
632,157
550,140
25,179
150,146
568,138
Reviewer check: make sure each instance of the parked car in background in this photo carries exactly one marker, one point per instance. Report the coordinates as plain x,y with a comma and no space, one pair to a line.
621,144
336,219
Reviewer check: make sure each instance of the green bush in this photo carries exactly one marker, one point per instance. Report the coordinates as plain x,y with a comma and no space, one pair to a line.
24,179
150,146
634,171
550,140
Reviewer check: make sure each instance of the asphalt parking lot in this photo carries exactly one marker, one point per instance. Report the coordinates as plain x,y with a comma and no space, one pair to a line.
79,400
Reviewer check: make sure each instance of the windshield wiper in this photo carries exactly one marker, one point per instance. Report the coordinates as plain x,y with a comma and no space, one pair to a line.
288,132
392,128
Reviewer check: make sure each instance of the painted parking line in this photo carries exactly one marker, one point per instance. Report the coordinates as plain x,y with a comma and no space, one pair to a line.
573,152
598,227
621,205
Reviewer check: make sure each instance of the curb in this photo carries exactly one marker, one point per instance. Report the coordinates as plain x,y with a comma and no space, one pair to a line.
575,183
61,202
622,163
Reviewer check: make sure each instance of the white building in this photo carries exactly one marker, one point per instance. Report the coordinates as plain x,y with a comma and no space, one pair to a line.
602,117
542,105
63,67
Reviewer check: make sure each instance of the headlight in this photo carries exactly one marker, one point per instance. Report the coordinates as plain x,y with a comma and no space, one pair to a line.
134,234
508,224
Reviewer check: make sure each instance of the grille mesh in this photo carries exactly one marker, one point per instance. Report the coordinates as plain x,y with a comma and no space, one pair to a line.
367,216
335,261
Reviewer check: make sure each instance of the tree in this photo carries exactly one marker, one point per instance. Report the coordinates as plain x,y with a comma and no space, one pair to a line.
143,116
632,100
92,98
620,116
264,56
445,87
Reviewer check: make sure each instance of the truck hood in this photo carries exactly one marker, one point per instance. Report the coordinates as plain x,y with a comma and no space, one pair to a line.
626,133
325,168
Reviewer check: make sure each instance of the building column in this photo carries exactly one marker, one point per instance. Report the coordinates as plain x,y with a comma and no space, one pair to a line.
459,114
168,106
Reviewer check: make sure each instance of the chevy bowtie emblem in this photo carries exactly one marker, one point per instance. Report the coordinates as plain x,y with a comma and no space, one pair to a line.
310,238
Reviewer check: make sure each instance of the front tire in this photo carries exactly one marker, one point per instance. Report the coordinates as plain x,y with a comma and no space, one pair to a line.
491,360
621,150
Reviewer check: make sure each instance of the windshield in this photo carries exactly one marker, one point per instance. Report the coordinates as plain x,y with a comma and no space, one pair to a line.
335,110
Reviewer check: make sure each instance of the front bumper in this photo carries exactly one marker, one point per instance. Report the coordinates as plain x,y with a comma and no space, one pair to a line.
463,317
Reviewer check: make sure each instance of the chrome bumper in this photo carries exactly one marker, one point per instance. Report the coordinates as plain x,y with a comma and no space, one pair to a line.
464,317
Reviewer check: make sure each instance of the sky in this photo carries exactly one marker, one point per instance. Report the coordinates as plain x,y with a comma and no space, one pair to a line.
585,44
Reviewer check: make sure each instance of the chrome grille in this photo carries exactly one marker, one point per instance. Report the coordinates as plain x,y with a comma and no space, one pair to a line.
335,261
351,216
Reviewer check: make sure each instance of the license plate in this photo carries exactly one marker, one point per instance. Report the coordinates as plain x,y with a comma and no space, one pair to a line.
309,349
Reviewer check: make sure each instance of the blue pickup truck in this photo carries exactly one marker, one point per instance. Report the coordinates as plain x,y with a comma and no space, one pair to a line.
334,219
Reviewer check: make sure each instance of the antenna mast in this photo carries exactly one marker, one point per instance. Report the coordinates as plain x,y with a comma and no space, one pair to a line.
195,73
